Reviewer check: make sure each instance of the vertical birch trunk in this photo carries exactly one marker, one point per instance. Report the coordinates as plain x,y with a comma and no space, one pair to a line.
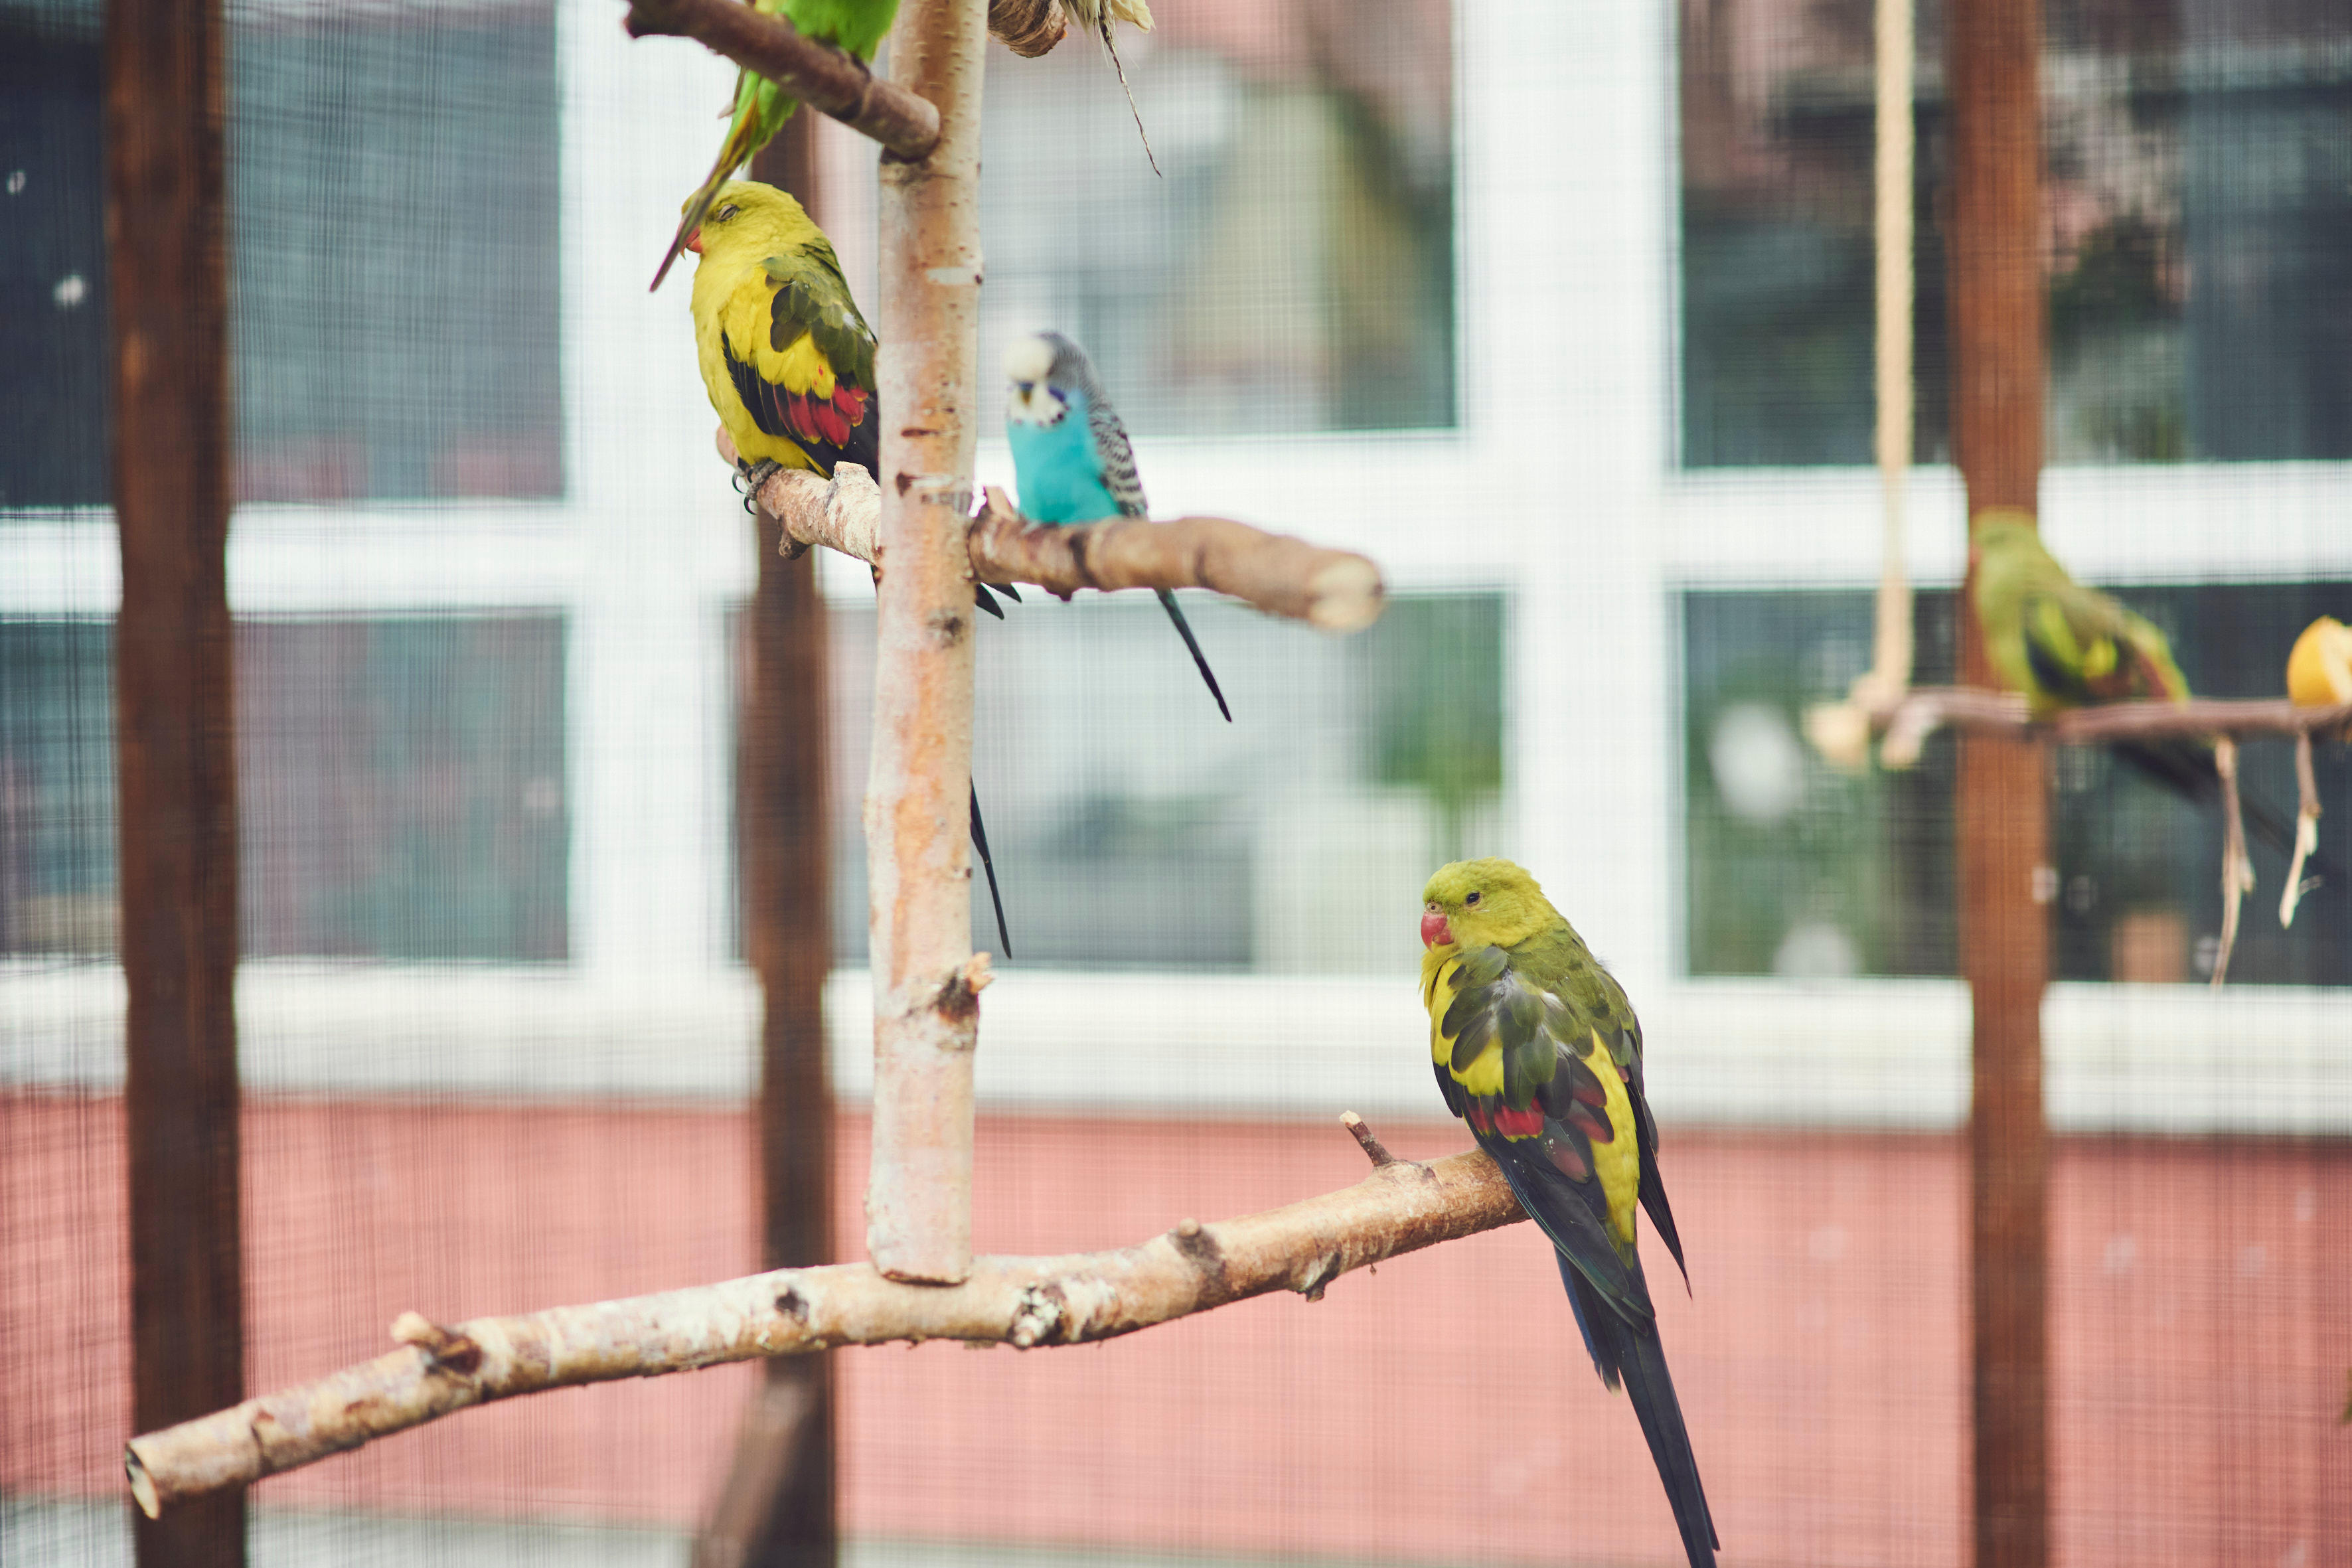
925,1014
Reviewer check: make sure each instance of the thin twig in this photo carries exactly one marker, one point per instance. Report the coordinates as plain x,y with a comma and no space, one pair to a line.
1374,1150
2307,829
1331,590
1023,1301
2237,870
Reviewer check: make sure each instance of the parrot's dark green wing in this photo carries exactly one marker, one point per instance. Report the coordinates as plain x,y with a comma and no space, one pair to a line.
2085,647
1541,1107
801,305
1538,1110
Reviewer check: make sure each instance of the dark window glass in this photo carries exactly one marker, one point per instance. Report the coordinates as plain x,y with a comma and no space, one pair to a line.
2199,207
1132,827
394,300
1797,869
401,783
1292,269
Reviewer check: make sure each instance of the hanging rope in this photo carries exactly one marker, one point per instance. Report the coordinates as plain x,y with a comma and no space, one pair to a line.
1840,731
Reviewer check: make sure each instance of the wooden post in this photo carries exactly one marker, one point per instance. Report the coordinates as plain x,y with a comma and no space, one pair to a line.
777,1508
925,977
166,222
2005,880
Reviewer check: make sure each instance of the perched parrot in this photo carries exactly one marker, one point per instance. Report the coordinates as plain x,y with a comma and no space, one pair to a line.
2062,646
2319,670
760,106
1071,457
1537,1049
788,363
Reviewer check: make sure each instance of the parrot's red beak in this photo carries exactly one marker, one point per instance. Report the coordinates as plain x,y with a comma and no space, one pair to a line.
1435,932
694,240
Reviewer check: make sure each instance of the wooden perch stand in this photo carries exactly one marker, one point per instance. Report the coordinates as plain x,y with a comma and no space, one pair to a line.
1330,590
1026,1302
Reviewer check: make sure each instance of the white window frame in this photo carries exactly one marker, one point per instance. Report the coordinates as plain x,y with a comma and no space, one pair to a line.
1558,486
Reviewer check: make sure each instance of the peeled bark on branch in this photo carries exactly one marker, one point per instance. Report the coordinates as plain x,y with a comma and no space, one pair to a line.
830,81
1401,1206
1332,590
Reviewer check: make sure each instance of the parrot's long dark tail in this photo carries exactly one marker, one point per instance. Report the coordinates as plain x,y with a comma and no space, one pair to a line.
1184,630
1630,1356
2186,767
988,863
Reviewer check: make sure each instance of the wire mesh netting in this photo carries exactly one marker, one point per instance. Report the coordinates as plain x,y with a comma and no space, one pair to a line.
1563,315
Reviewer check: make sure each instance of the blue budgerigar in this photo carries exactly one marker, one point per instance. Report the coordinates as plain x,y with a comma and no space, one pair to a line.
1071,457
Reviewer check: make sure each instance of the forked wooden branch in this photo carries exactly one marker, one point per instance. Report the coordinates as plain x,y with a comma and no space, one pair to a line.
1401,1206
1924,710
1331,590
831,80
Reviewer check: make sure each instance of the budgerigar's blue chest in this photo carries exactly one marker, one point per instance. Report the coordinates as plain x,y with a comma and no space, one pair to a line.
1057,472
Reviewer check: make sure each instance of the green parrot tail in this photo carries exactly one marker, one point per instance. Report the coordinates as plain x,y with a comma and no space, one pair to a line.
1632,1356
761,112
1184,630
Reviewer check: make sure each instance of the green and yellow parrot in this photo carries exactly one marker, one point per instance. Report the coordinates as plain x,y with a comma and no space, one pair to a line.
1537,1049
788,362
762,107
2062,646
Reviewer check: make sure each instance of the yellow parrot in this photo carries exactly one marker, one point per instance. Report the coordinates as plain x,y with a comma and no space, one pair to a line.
786,358
788,364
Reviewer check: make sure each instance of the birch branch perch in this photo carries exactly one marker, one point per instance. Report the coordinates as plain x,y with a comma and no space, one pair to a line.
832,81
1401,1206
926,979
1332,590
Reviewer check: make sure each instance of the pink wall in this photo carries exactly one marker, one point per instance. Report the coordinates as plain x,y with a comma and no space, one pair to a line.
1438,1410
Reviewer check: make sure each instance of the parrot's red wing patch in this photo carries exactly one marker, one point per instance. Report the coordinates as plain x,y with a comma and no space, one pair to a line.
842,429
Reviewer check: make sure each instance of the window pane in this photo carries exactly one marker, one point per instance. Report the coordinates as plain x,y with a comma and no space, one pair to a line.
393,187
1291,270
2198,204
1152,834
401,783
1797,869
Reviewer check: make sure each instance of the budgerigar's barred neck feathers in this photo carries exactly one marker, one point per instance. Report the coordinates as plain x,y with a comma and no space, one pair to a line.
1072,371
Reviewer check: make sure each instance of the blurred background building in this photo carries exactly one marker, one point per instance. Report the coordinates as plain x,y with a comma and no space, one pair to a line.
1562,314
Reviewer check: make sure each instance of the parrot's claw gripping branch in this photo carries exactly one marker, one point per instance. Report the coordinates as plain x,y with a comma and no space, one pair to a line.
1399,1207
1331,590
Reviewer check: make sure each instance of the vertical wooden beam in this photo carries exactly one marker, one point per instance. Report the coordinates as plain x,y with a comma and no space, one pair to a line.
1997,348
166,222
777,1510
925,977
